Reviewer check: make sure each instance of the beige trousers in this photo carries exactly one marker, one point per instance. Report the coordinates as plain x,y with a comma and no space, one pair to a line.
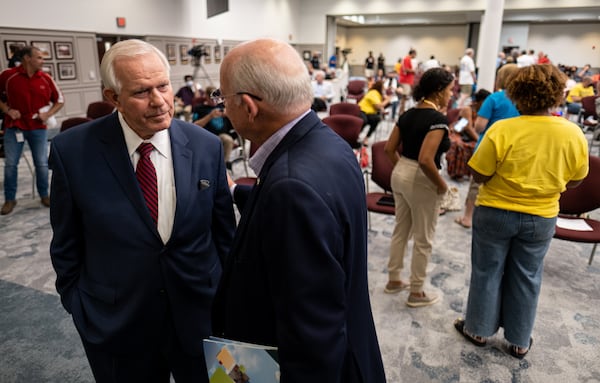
417,204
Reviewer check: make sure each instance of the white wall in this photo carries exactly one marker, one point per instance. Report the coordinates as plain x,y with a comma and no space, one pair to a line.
144,17
576,45
447,43
245,20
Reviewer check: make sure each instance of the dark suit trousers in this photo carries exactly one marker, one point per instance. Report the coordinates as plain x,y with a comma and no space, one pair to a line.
150,365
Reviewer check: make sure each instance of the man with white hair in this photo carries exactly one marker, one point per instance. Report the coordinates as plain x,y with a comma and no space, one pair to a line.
322,92
466,76
142,221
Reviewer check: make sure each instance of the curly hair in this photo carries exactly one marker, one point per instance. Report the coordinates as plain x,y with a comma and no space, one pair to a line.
536,88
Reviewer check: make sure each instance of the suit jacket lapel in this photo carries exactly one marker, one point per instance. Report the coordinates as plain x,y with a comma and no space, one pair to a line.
182,170
296,133
117,157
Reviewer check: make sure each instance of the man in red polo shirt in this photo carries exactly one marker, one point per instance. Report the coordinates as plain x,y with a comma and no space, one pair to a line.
29,98
407,78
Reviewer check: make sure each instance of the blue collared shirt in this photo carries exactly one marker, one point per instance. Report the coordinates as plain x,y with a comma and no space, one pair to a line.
257,161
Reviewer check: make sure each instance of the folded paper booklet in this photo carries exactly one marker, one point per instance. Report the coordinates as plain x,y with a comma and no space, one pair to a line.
573,224
229,361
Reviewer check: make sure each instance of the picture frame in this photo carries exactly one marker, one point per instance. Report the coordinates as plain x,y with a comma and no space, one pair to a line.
66,71
45,47
184,57
11,46
217,54
208,57
225,50
48,68
172,54
306,55
63,50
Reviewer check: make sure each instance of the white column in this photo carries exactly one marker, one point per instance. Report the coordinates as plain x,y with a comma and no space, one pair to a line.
489,43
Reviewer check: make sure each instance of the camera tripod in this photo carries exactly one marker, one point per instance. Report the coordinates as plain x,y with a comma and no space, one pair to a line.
197,63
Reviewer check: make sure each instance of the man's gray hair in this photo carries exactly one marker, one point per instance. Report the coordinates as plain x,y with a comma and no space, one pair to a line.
126,48
255,74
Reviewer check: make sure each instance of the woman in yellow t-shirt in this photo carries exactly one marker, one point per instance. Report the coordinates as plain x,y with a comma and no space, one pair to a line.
371,107
523,164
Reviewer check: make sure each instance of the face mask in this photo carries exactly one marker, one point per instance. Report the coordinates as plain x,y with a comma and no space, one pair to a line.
189,83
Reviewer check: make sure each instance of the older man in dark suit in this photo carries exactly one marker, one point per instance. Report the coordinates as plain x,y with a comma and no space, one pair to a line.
297,276
140,235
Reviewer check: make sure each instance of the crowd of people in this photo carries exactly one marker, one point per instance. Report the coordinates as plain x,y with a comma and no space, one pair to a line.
150,260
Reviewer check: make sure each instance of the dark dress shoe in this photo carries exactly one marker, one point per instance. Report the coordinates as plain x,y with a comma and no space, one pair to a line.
8,207
46,201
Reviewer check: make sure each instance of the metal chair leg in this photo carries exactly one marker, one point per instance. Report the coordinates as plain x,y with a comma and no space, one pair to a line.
592,255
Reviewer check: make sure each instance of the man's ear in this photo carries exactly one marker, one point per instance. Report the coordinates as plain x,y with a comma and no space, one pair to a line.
111,96
251,107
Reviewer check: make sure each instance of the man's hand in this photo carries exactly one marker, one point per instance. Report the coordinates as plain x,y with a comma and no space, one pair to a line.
13,113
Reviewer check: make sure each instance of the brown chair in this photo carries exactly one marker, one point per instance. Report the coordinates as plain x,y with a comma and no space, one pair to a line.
73,121
576,202
346,126
98,109
356,90
381,175
344,108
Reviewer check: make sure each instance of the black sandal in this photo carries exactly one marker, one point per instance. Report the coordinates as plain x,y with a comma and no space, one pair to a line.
514,350
459,325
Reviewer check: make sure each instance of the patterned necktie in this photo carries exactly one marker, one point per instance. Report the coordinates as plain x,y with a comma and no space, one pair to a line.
146,176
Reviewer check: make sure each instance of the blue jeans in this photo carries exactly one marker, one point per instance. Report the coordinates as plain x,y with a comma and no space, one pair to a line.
507,256
38,143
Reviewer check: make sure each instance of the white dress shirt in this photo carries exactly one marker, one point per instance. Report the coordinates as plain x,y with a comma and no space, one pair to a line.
162,159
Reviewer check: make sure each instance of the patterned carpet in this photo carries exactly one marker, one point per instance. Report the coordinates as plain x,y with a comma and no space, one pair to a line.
39,343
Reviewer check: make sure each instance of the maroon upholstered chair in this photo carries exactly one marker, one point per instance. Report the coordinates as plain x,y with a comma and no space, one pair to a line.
578,201
99,108
356,90
73,121
588,109
344,108
346,126
381,175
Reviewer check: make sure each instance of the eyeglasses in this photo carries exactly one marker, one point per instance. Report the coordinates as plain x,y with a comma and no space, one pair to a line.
219,98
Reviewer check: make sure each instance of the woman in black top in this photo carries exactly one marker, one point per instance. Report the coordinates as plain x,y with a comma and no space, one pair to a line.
416,182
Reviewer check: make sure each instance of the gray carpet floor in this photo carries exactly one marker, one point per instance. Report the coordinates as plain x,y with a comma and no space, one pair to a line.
38,342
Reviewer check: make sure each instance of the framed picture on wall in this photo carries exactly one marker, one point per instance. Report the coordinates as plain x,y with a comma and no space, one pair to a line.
66,71
44,47
208,57
12,46
63,50
225,50
306,55
172,53
48,68
217,54
184,57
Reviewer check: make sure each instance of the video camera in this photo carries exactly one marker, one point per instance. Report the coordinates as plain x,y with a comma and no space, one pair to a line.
198,51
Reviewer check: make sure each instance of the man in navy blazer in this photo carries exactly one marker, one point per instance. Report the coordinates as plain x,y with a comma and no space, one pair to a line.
140,291
296,277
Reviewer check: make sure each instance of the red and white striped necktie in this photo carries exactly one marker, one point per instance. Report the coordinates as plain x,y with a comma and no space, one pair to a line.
146,176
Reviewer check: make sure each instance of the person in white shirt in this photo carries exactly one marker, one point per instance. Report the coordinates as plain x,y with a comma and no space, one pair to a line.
322,92
466,76
525,60
431,63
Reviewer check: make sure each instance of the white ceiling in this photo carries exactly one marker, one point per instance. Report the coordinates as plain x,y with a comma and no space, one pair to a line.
578,15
